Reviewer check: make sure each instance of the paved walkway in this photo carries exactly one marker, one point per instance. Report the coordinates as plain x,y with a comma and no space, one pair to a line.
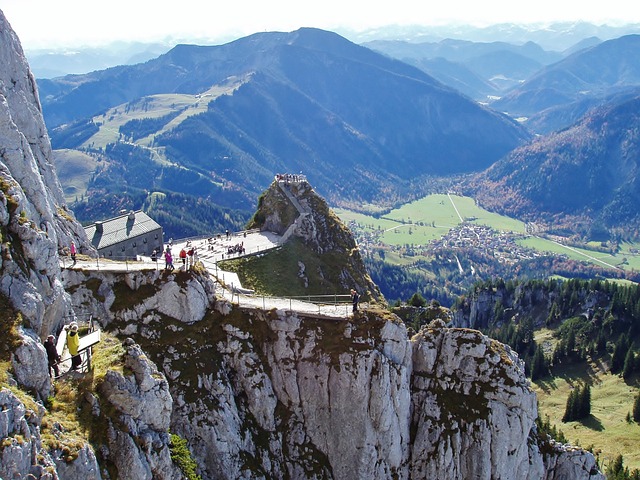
211,250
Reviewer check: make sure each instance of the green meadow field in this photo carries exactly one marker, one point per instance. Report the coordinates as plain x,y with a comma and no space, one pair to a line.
430,218
74,170
154,106
606,428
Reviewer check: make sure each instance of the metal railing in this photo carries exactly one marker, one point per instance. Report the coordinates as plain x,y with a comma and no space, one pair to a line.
337,305
87,350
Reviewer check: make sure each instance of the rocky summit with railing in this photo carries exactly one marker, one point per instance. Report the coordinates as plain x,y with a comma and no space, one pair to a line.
186,381
320,255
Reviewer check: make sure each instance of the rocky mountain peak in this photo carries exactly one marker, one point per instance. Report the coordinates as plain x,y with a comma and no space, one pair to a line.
292,208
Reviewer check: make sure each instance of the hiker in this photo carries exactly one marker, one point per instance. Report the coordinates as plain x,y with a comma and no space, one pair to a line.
183,257
52,356
168,260
73,343
73,252
154,256
354,299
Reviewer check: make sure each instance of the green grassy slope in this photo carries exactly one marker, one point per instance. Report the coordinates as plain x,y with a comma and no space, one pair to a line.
611,399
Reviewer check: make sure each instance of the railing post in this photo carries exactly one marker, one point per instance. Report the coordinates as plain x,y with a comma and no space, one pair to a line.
88,359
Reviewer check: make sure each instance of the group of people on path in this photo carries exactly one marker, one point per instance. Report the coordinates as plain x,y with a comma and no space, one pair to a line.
187,255
73,345
291,178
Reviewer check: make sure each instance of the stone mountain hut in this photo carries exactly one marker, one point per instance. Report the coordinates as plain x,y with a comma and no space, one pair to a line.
126,236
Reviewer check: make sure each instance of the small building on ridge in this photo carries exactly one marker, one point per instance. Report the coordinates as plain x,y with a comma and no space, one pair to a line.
126,236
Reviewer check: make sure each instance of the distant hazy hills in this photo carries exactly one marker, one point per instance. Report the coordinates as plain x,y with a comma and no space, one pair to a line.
549,90
562,92
57,62
583,179
206,128
556,37
360,125
479,70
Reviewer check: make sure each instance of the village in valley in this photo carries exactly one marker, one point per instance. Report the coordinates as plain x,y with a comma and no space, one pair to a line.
481,238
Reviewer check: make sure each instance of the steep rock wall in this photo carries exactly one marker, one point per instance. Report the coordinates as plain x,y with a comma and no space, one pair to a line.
264,394
34,219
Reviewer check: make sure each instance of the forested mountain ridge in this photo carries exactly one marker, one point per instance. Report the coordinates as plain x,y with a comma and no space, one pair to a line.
584,179
579,340
275,102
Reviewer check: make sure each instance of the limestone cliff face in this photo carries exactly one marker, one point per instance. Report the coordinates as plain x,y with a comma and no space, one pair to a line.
137,437
35,224
34,219
276,394
526,300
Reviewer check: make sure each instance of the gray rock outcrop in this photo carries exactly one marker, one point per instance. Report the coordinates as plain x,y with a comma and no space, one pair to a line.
23,455
274,394
29,362
34,219
138,439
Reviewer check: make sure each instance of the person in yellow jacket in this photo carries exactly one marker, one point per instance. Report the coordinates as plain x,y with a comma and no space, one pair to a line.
73,343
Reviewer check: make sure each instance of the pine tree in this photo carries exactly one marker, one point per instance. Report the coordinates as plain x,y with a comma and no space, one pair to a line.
539,365
584,404
629,365
570,407
578,404
636,408
570,345
615,468
554,314
619,354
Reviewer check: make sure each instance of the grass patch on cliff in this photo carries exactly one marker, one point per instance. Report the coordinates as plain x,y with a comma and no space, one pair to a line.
606,429
10,320
278,272
68,405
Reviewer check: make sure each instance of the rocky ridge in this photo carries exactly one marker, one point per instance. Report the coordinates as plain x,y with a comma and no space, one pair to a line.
274,394
294,210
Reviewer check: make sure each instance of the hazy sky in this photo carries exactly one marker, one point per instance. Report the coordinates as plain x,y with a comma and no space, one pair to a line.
49,23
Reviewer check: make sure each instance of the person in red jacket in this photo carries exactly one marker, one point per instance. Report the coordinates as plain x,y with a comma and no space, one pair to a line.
183,257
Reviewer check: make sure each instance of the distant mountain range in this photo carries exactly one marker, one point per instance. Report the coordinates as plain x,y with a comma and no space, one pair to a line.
595,72
58,62
363,127
213,124
479,70
556,37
